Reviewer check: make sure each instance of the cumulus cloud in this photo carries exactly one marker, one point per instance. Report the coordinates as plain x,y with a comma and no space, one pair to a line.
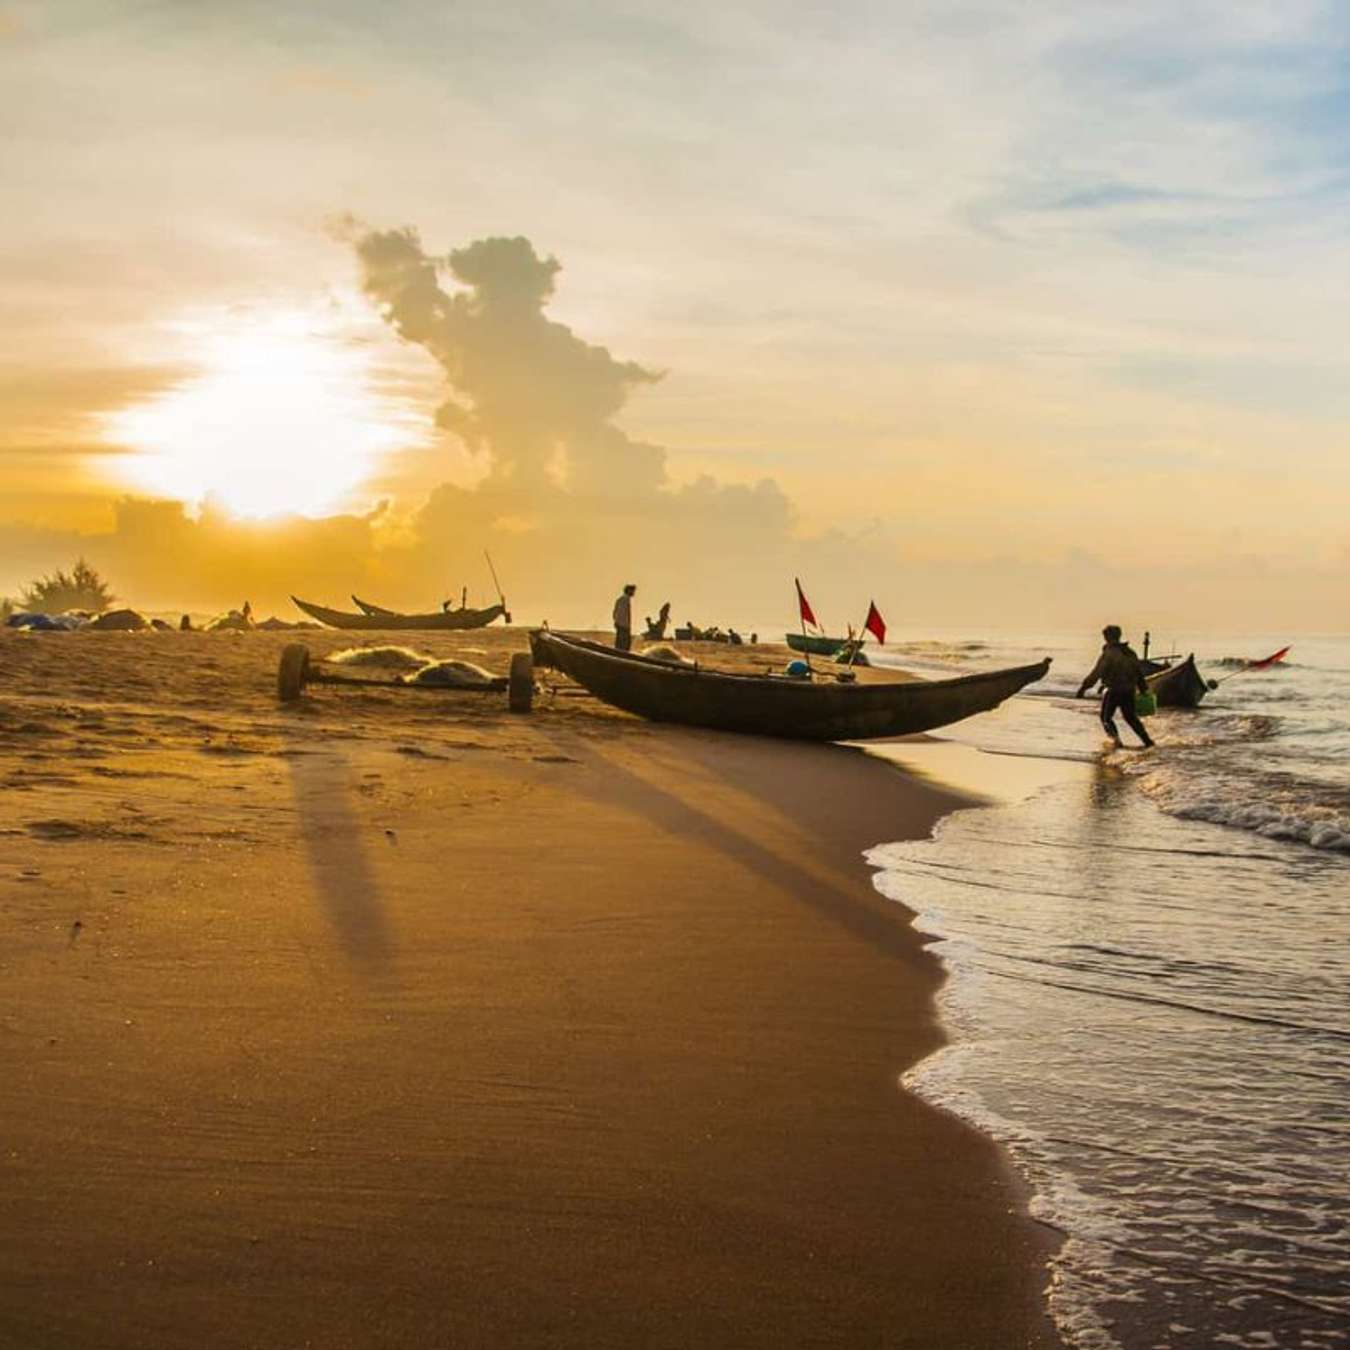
524,389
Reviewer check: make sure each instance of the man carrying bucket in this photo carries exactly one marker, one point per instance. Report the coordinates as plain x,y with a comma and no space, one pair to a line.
1119,670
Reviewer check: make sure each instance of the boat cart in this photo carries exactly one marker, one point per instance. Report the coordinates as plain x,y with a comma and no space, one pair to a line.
297,669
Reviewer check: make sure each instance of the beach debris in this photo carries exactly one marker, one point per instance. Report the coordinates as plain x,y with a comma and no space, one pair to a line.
120,621
47,623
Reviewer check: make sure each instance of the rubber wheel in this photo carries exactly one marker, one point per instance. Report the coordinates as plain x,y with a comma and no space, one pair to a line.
520,684
292,672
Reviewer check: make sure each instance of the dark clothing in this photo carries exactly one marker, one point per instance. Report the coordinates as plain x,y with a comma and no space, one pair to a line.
1118,668
623,639
1122,673
1122,701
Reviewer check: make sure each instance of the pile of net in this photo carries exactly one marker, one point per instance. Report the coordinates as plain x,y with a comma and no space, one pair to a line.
451,675
416,667
667,653
391,658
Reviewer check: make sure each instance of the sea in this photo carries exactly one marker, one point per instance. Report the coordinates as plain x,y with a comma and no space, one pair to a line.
1148,999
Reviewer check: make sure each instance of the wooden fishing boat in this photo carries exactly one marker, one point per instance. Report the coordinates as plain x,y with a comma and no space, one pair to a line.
441,621
813,644
1179,686
773,705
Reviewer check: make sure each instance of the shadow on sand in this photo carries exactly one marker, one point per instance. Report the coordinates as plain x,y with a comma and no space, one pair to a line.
343,876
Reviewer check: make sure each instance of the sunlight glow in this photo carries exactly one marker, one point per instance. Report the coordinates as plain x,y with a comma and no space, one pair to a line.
283,418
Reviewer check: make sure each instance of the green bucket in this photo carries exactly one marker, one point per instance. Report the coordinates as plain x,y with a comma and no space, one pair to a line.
1145,703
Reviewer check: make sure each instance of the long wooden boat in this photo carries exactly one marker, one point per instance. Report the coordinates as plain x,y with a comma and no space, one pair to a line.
441,621
771,705
1179,686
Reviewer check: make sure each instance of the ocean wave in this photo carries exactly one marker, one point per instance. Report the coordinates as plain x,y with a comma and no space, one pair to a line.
938,645
1185,730
1272,822
1242,663
1274,806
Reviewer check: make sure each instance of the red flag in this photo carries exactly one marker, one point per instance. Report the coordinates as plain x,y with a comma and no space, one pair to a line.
804,606
875,624
1269,661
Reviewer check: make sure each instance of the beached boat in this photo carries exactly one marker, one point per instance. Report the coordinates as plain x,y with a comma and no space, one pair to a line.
440,621
846,651
813,644
772,705
1179,686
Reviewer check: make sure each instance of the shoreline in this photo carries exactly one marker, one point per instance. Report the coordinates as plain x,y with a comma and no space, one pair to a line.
407,1022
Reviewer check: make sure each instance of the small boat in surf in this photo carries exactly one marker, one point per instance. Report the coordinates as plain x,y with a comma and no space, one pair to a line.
1179,686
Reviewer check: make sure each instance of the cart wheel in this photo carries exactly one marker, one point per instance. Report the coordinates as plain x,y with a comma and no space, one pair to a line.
292,672
520,686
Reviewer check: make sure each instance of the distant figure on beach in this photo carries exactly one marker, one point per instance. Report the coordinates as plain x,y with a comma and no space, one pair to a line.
1121,673
623,619
656,628
247,612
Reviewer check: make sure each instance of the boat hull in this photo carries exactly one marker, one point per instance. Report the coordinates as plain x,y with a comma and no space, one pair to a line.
1179,686
439,622
816,646
774,706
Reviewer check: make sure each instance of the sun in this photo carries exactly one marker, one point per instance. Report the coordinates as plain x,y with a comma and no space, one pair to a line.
282,417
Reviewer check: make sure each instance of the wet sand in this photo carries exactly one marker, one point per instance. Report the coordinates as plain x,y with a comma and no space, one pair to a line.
392,1019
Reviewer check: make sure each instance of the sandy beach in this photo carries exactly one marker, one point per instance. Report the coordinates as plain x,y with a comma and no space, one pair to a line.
393,1019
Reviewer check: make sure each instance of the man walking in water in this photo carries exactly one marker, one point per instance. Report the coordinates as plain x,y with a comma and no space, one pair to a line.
1120,671
623,619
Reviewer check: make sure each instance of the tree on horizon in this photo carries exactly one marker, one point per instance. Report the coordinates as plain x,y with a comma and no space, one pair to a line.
81,588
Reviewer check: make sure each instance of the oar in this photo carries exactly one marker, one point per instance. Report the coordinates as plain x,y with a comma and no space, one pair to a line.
1258,665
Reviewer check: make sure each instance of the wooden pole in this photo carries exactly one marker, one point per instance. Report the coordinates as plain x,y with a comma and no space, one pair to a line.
495,582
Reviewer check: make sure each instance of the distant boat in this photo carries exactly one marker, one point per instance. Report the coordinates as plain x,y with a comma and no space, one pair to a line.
442,620
813,644
1178,686
773,705
846,651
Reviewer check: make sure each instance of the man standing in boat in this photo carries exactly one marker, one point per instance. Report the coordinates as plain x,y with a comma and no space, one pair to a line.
1121,673
623,619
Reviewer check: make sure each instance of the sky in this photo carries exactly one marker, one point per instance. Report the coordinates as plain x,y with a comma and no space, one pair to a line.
1000,313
